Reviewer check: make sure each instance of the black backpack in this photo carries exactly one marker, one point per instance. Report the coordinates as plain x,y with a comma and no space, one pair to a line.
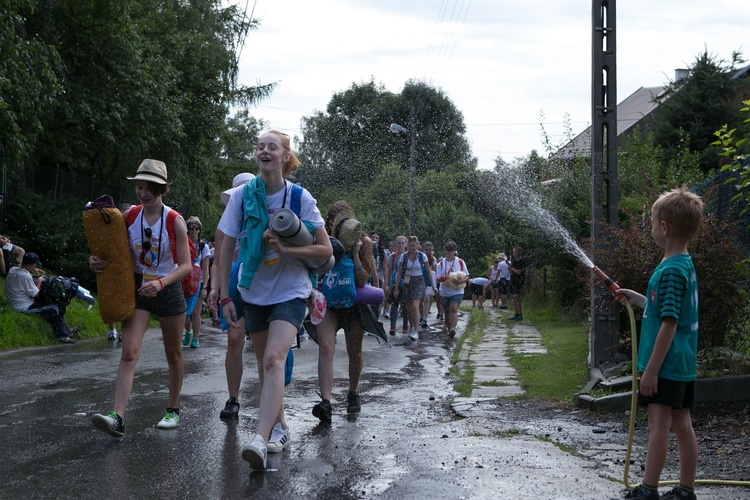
10,260
58,291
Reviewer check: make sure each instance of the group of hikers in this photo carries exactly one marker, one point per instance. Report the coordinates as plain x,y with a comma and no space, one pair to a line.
263,287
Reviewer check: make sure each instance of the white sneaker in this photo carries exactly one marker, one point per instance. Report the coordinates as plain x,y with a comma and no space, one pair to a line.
414,335
255,452
112,335
170,421
279,439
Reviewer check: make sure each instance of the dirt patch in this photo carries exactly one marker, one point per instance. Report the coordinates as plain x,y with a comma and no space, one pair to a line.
721,429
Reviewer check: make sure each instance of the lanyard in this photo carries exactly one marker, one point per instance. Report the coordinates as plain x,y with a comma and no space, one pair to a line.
447,271
158,247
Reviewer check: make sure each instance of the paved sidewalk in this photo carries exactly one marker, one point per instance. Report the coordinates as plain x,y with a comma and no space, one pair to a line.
494,377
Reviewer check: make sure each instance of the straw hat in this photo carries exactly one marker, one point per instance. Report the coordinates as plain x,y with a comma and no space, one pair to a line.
194,220
346,229
238,181
152,171
502,256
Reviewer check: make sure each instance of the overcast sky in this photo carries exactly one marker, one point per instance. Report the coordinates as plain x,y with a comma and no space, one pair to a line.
503,64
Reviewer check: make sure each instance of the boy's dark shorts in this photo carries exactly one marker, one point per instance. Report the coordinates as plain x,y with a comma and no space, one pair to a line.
515,287
502,287
475,289
677,395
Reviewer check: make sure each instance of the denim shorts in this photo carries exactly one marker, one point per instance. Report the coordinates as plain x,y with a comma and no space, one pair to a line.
452,299
166,303
258,318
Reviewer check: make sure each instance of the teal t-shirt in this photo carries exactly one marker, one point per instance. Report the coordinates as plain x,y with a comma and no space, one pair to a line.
672,293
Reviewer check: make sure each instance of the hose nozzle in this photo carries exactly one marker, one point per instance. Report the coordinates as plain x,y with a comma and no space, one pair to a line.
607,280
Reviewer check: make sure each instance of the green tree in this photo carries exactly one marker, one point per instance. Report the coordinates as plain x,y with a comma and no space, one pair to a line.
28,81
694,107
348,144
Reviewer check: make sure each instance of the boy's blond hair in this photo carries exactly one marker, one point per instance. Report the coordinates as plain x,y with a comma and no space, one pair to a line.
681,209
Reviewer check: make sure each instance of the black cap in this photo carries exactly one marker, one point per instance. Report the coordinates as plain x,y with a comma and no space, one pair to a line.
31,258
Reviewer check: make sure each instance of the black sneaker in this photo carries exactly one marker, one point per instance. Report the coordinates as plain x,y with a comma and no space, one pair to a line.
678,493
323,411
231,409
640,492
352,403
111,424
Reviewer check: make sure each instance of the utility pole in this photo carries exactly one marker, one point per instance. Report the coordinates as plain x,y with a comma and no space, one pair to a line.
604,336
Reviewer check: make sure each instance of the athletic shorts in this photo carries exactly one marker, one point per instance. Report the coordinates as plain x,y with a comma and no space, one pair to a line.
166,303
258,318
677,395
502,287
347,316
475,289
515,287
191,302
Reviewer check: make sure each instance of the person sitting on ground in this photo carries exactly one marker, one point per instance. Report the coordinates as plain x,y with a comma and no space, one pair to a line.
22,287
12,255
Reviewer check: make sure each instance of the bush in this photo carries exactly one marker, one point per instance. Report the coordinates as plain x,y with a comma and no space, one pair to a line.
54,231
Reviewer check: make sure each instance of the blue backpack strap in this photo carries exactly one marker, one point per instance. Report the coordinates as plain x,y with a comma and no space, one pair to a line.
427,277
295,202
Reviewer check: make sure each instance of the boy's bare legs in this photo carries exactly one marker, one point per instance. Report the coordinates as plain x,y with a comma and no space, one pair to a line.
682,426
659,423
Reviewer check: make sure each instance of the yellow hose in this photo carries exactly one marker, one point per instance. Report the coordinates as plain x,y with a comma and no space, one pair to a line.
633,409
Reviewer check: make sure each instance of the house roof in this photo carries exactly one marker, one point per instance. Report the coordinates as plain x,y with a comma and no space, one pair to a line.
629,112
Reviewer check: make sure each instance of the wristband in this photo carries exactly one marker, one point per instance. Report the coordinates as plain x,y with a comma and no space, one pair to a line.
225,301
161,283
357,268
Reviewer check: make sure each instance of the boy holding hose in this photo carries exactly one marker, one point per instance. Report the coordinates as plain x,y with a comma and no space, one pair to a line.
669,343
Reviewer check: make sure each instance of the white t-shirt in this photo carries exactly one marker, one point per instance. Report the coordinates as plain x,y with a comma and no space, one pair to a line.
287,278
413,267
158,260
479,281
504,270
444,268
206,253
20,289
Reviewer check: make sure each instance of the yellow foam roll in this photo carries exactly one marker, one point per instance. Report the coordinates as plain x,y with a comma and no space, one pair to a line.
107,237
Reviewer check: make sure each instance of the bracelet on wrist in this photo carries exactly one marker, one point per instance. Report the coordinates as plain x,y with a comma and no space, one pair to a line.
225,301
161,283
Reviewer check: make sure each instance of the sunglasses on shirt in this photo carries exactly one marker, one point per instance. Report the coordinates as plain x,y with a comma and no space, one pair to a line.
145,244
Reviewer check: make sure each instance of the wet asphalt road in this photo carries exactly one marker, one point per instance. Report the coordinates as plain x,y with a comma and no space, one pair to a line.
406,443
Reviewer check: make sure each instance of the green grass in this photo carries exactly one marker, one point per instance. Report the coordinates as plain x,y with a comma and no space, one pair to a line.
19,330
463,373
560,373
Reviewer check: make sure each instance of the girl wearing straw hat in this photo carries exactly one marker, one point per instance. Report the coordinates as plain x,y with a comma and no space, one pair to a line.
158,291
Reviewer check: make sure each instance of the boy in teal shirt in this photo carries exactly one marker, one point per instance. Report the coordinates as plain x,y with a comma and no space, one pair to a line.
668,346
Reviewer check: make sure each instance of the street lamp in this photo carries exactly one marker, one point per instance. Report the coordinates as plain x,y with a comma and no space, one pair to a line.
399,129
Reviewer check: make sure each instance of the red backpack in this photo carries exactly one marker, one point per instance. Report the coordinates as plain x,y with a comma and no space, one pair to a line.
191,281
